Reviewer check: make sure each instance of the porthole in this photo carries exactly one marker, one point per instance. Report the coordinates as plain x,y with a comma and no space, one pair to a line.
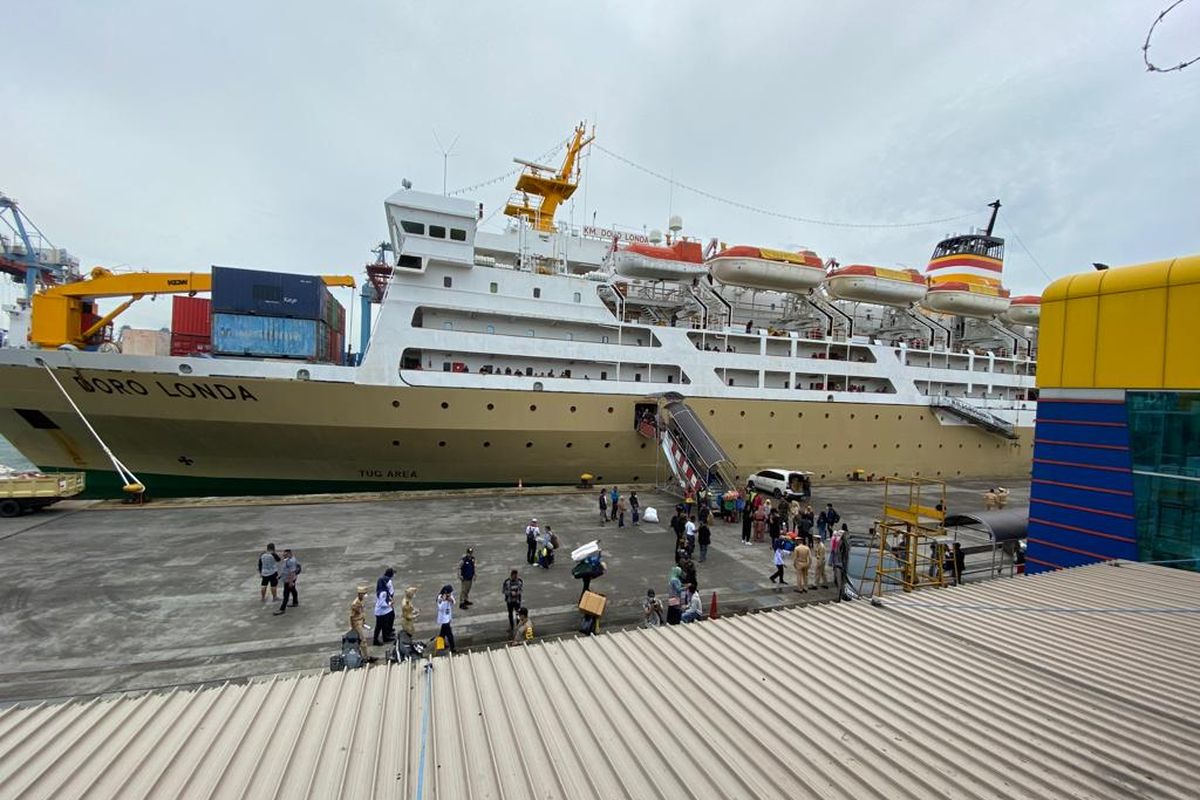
826,415
939,445
643,447
445,405
568,445
876,416
739,446
899,416
939,472
610,409
636,478
185,369
395,404
875,447
487,444
529,444
572,409
897,446
607,445
711,412
919,445
395,442
491,406
799,414
825,446
922,417
770,446
772,415
533,408
441,444
851,416
960,445
822,476
797,445
849,447
742,414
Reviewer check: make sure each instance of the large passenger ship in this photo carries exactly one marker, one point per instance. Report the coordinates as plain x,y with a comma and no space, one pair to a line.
543,352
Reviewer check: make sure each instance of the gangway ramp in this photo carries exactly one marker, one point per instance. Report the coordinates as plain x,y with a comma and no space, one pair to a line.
693,454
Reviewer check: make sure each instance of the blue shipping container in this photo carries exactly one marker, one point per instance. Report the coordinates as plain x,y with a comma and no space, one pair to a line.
277,337
272,294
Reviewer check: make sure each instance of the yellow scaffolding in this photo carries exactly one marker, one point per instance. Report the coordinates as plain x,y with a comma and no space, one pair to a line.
911,534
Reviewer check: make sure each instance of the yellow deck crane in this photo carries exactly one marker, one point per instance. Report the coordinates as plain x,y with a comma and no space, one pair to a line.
539,194
66,314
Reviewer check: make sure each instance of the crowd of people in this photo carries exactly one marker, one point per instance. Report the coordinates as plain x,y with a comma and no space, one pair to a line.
806,541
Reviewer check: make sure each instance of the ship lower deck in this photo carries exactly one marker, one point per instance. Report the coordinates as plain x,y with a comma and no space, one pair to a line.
185,436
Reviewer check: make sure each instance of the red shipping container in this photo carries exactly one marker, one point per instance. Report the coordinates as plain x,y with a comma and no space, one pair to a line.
184,345
191,316
337,346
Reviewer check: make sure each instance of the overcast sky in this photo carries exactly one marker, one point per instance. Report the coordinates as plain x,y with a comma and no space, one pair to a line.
172,136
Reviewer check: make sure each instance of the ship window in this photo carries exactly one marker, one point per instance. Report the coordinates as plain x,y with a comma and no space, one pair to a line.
437,231
537,292
445,366
458,235
603,376
409,262
449,326
494,287
447,281
529,332
603,340
578,297
570,337
413,227
491,328
637,377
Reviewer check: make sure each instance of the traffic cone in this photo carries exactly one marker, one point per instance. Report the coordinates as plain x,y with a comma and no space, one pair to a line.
712,608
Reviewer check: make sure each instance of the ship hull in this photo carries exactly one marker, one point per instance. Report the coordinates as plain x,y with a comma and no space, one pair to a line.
248,435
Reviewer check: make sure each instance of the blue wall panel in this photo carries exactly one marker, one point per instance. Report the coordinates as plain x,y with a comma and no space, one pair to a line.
1066,525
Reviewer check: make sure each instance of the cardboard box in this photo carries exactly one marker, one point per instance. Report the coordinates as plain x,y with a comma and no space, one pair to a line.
593,603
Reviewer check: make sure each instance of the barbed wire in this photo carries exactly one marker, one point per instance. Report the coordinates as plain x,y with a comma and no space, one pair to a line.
777,214
510,174
1150,67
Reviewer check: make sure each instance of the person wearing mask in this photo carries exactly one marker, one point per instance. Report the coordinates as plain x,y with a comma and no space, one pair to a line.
512,588
694,610
290,570
466,572
445,615
652,611
385,611
675,596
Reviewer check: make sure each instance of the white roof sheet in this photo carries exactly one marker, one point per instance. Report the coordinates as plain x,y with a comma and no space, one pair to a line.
1081,683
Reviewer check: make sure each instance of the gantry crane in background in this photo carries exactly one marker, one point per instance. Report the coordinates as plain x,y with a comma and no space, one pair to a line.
31,258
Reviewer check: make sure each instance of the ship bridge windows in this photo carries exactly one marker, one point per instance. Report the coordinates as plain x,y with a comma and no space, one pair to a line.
527,326
415,228
989,246
490,366
438,231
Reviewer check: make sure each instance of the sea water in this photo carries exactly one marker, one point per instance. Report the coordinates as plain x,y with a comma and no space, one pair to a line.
9,457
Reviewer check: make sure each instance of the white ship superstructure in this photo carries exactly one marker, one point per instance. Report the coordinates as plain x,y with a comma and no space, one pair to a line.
543,352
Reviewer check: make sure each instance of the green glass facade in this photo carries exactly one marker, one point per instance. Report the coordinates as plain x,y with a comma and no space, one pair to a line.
1164,447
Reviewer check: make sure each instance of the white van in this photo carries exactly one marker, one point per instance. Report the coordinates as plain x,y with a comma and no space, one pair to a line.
790,483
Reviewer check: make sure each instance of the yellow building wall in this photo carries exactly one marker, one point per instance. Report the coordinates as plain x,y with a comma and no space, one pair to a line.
1123,328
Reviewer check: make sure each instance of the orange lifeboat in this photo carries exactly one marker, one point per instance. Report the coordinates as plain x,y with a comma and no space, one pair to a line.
760,268
1024,310
682,260
966,299
867,284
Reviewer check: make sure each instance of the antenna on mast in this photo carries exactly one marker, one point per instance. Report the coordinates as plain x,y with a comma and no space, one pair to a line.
446,153
995,207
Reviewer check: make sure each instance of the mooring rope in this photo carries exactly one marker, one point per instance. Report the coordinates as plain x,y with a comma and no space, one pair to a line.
132,484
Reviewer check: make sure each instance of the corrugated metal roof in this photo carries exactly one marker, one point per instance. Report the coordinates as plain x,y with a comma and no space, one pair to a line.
1080,683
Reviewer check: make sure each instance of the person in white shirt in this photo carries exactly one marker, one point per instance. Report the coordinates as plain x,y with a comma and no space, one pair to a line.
689,532
445,614
694,610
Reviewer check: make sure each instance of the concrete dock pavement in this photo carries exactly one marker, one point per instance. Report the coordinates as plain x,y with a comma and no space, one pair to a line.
95,598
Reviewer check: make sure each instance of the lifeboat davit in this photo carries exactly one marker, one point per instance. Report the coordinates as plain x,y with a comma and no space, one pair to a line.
1024,310
682,260
760,268
966,299
885,287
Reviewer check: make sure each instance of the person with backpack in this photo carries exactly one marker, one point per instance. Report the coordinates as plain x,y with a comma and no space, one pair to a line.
466,572
704,539
532,532
603,507
832,518
635,507
268,569
291,571
511,589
